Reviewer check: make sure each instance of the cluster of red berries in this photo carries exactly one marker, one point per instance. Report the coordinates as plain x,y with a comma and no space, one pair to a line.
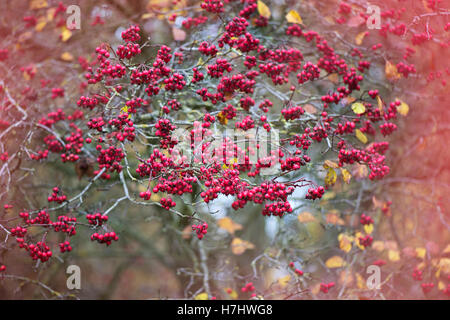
246,124
207,50
96,219
39,251
310,72
110,158
128,51
55,197
200,229
325,287
107,238
216,70
65,247
249,287
167,203
316,193
213,6
279,209
131,34
292,113
366,220
190,22
365,241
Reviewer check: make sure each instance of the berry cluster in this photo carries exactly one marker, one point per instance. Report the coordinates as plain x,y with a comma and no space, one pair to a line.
200,229
107,238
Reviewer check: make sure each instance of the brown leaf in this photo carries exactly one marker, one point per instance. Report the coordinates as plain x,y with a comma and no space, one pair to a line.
238,246
229,225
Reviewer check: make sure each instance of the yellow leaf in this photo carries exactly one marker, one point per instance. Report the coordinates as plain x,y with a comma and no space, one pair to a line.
330,164
42,22
360,37
284,281
360,282
358,108
391,71
331,177
305,217
229,225
38,4
67,56
263,9
403,108
201,296
222,118
65,34
380,103
335,262
441,285
421,252
345,242
393,255
444,264
238,246
346,176
51,14
294,17
361,136
368,228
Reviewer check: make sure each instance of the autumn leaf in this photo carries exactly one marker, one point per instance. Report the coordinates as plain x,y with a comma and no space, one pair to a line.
358,108
306,217
238,246
331,177
229,225
345,242
38,4
346,176
360,171
294,17
65,34
201,296
393,255
222,118
42,22
335,262
310,108
368,228
283,281
263,9
330,164
361,136
360,37
333,218
391,71
67,56
421,252
360,282
403,108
